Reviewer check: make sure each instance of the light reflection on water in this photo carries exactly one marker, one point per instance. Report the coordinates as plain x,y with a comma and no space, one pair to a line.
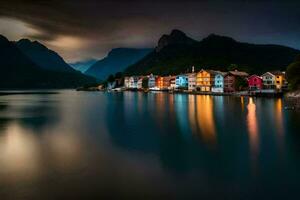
93,144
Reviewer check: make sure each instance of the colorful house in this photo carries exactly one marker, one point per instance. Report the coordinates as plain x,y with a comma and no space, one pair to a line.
140,83
126,82
167,81
133,82
280,79
151,81
219,83
159,81
230,80
181,81
205,80
255,82
172,83
268,80
192,81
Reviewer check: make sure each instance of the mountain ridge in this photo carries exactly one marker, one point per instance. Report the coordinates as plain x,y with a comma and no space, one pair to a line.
18,71
43,56
212,52
116,61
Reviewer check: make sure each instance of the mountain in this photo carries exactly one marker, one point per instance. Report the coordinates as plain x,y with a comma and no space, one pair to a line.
83,65
176,53
116,61
18,71
42,56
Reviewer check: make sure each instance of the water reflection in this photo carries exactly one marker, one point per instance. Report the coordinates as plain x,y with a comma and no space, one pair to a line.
205,118
19,153
279,123
252,128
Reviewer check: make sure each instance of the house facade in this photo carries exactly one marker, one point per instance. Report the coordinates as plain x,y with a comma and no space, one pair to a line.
268,80
192,81
159,81
255,82
230,80
181,81
167,81
126,82
172,83
133,82
218,86
205,80
151,81
140,83
280,79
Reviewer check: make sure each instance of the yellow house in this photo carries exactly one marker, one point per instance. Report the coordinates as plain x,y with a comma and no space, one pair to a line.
280,79
205,80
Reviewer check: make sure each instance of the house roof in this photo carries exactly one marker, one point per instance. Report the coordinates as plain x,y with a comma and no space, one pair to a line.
277,73
254,75
238,73
268,73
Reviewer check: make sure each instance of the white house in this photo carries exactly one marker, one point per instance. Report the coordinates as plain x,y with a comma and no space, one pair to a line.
126,82
218,86
140,83
192,81
268,80
133,82
151,81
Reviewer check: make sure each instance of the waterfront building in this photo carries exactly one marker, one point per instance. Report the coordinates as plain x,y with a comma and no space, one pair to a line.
205,80
133,82
255,82
172,83
274,80
280,79
181,81
230,80
126,82
192,81
268,80
151,81
166,82
140,83
218,86
159,82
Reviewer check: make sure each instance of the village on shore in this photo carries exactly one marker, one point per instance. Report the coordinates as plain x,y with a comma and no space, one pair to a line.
212,82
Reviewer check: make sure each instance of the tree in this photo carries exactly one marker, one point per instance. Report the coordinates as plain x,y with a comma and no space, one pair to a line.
293,75
297,59
111,78
118,75
232,67
145,83
240,83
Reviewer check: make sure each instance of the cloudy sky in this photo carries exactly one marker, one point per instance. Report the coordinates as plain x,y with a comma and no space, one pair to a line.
83,29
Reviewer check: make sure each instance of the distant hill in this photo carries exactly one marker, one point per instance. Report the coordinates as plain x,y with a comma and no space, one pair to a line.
18,71
175,53
83,65
116,61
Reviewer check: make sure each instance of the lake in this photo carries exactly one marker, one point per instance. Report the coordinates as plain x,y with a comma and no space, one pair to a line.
93,144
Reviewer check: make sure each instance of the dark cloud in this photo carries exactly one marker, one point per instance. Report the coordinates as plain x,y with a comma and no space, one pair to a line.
102,25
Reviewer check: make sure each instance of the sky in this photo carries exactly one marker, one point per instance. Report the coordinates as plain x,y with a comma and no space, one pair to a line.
84,29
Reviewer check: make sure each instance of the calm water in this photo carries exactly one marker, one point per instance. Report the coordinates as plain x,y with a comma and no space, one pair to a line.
80,144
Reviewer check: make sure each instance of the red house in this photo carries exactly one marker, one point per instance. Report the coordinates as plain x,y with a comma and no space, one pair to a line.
255,82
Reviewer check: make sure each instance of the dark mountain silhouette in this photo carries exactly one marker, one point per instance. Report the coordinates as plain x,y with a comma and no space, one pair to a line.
83,65
116,61
18,71
176,53
42,56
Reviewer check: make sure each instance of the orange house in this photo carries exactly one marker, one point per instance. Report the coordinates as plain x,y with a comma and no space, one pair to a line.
159,82
205,80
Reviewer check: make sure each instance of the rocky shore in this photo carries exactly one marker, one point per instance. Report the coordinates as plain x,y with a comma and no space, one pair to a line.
292,99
